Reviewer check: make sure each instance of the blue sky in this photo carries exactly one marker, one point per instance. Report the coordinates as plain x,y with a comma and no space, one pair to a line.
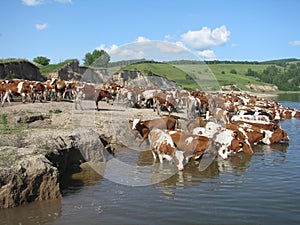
224,30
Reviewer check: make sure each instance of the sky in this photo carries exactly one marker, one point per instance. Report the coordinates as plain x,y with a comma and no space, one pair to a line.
156,29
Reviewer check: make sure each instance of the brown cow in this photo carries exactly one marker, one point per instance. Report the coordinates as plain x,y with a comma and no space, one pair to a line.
38,89
162,103
103,94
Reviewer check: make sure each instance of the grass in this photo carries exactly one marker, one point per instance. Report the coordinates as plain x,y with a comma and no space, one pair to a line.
8,157
55,111
53,67
12,60
207,77
11,134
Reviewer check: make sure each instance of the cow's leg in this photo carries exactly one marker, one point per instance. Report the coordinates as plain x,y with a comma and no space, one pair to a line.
6,97
161,159
23,96
97,105
154,155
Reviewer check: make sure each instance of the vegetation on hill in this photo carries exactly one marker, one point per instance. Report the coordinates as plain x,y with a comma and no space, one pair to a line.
98,59
42,60
6,60
53,67
286,78
285,74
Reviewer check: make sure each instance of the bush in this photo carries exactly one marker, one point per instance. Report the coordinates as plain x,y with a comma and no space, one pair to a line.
233,71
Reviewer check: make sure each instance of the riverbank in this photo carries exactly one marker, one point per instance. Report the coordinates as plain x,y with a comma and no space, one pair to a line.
40,142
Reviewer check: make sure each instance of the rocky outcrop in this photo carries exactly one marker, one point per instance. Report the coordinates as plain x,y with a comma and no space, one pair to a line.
93,75
34,178
262,88
35,172
72,71
138,79
21,69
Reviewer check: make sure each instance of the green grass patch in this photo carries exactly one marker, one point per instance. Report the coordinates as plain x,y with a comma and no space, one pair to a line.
53,67
55,111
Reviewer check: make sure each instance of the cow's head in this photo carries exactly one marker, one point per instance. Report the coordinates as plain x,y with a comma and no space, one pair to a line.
240,145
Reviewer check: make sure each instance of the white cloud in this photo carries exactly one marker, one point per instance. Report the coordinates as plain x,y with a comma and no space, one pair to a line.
295,43
142,39
122,52
143,47
42,26
207,54
170,47
206,38
32,2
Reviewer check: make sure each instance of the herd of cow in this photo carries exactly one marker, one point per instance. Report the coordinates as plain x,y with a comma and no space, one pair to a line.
224,124
220,124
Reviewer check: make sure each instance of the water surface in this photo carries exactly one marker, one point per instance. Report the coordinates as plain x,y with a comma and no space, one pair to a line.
260,189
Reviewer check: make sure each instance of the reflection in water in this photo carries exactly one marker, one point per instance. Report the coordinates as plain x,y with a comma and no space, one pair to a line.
40,212
86,177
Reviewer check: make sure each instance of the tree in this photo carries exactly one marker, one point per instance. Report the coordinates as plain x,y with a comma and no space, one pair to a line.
41,60
98,58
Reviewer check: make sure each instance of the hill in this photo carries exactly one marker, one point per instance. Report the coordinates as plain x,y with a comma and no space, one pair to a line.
282,74
203,76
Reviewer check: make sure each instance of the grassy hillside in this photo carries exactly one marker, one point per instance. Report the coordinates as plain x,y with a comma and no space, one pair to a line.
53,67
165,70
203,76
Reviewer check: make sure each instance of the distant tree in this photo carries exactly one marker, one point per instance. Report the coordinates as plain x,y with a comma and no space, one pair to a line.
98,58
251,72
41,60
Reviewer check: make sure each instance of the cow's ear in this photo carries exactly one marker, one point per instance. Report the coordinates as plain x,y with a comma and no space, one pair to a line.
130,121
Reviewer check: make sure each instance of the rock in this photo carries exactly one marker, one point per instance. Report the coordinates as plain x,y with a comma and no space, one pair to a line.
20,69
35,172
138,79
33,178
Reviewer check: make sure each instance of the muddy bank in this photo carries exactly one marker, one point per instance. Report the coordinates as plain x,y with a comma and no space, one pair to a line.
41,142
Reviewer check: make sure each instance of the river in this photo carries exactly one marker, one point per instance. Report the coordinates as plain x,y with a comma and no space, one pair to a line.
260,189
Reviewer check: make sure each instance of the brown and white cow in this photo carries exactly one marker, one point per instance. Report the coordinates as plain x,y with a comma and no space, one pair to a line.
163,147
17,87
103,95
59,87
161,103
192,145
227,144
144,126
